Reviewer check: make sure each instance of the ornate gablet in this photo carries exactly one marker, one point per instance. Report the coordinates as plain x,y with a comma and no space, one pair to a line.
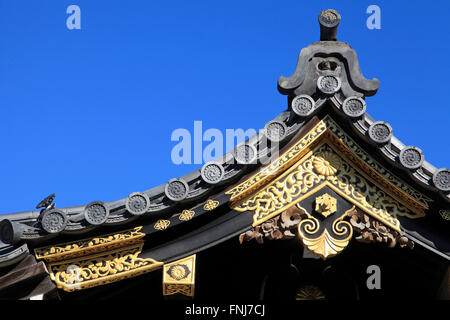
326,176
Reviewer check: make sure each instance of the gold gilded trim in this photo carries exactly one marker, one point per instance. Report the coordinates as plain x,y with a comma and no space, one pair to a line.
328,131
89,246
303,179
310,292
179,277
354,153
100,269
277,166
327,244
186,215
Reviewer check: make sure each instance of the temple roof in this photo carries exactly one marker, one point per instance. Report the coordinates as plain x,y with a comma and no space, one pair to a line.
326,82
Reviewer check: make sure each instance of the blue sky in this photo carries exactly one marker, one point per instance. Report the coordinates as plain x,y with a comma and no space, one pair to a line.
89,113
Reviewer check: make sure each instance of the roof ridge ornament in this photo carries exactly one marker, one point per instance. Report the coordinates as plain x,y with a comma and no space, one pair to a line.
328,59
329,21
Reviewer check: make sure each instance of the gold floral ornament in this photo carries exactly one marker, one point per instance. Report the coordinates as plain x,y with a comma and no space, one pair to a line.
310,293
210,205
162,224
186,215
326,205
326,163
179,277
301,181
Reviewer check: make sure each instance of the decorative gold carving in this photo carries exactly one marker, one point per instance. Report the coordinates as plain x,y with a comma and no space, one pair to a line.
328,130
366,229
179,277
301,180
326,205
266,174
326,163
210,205
186,215
445,214
310,293
281,227
89,246
184,289
162,224
327,244
369,230
101,269
397,187
178,272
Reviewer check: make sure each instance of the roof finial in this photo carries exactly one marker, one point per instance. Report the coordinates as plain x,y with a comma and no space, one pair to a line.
329,20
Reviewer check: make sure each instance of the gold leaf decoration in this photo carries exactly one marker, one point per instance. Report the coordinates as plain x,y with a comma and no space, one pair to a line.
326,205
310,293
328,131
210,205
266,174
162,224
326,163
302,180
186,215
179,277
89,246
101,269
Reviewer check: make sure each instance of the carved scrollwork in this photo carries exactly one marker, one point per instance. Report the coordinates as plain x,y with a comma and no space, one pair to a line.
137,203
297,182
369,230
411,157
53,221
326,163
352,151
326,205
96,213
176,189
101,269
281,227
